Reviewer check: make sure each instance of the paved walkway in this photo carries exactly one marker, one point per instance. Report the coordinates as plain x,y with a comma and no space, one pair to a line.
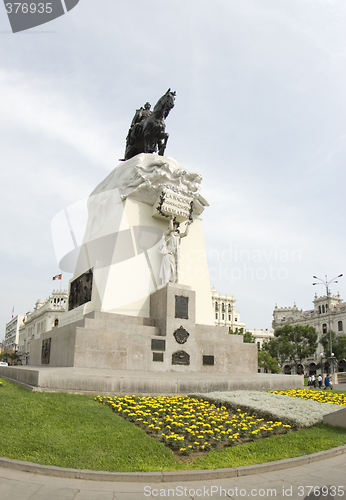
292,482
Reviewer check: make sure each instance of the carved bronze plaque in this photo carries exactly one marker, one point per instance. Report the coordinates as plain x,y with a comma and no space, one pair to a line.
181,335
80,290
158,345
208,360
157,356
180,358
45,353
181,307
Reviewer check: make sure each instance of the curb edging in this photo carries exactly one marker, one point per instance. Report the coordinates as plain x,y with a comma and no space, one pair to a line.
169,476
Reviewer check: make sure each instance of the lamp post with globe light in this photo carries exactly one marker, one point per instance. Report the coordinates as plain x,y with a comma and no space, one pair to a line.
326,283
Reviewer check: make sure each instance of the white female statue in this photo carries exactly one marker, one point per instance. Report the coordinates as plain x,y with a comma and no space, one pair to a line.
170,249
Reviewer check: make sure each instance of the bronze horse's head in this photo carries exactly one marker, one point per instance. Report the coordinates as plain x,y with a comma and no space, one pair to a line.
165,103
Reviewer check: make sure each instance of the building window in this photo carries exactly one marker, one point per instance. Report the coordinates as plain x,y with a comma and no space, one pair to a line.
56,322
235,319
223,307
324,328
326,307
323,310
229,308
319,309
223,316
258,346
216,306
216,316
340,327
229,317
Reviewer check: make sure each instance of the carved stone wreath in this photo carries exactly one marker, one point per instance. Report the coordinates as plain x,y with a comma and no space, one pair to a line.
181,335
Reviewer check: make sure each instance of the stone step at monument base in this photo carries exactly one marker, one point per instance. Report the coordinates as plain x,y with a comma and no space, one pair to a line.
112,321
112,382
100,340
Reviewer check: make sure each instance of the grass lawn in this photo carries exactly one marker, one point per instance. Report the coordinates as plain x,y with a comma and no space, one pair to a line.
75,431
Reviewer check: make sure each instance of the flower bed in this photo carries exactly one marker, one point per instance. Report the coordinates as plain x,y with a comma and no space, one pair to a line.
293,411
319,396
188,425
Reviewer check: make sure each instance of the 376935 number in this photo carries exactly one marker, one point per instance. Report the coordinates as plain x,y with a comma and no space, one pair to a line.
321,491
28,8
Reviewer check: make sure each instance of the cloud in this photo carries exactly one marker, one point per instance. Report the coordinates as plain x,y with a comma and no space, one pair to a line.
37,106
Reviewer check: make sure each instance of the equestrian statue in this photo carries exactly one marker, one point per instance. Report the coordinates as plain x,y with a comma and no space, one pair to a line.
147,131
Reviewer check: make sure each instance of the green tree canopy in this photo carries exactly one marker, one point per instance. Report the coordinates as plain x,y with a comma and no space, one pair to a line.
338,345
278,348
293,344
267,362
247,336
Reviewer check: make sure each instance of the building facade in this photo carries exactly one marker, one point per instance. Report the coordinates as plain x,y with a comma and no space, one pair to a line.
329,313
12,334
224,310
261,336
226,315
43,318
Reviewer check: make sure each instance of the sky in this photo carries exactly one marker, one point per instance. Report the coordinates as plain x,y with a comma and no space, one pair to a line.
260,113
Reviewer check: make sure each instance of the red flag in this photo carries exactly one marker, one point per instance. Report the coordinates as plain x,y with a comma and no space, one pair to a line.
12,311
57,277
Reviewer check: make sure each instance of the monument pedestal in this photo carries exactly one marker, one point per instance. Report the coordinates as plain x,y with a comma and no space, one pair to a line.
123,315
169,340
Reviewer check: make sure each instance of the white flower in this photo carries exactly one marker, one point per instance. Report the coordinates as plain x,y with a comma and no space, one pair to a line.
293,411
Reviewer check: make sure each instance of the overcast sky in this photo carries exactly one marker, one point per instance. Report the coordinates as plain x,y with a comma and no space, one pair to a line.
260,113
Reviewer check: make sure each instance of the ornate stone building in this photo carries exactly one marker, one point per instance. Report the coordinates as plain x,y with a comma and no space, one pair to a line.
226,315
224,310
329,313
43,318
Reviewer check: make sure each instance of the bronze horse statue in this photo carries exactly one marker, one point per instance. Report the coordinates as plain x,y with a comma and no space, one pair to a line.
147,131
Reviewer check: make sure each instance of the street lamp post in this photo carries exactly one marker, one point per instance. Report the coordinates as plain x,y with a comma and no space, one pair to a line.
326,283
322,366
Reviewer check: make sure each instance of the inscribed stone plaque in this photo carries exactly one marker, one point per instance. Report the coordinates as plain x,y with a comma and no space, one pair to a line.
158,345
180,358
80,290
181,307
208,360
181,335
157,356
45,353
170,203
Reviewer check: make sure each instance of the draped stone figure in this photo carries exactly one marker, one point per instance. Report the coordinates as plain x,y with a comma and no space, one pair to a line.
169,271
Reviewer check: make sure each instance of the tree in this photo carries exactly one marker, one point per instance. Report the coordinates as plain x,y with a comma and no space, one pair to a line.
3,356
247,336
278,348
13,357
266,361
338,345
294,343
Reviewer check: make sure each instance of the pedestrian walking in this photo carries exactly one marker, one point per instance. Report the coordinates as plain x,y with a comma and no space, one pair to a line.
327,384
309,381
319,380
313,381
